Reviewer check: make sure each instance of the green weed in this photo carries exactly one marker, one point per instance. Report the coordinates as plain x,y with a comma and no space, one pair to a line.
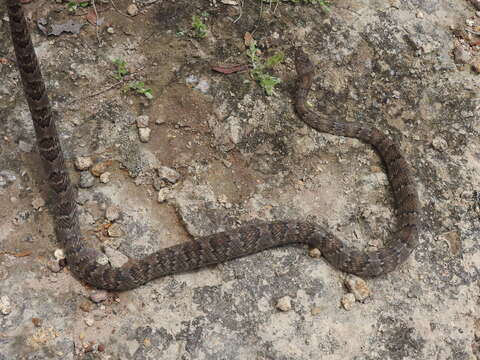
73,5
121,69
259,68
199,28
139,88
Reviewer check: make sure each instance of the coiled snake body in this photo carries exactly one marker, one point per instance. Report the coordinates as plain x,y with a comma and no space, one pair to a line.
251,238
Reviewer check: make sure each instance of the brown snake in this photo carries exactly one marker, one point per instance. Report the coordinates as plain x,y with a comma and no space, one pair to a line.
222,246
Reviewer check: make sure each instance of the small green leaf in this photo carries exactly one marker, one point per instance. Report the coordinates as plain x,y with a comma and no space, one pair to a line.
275,60
199,27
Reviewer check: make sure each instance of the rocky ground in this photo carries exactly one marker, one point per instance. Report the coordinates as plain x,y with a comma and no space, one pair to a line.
210,150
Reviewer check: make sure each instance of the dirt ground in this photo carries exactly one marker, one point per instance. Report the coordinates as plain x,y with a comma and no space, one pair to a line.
212,150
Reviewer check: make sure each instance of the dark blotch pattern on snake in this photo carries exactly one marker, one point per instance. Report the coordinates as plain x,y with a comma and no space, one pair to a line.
248,239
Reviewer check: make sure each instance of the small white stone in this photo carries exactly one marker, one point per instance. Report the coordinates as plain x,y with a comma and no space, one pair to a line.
83,162
160,120
439,144
110,30
284,303
358,287
105,177
89,321
117,259
115,231
38,202
348,300
112,213
98,296
102,260
142,121
419,15
132,10
163,194
59,254
166,173
5,305
144,134
315,253
229,2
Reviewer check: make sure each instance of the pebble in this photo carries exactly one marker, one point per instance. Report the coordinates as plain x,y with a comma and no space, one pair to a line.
315,253
348,300
112,213
316,310
101,348
166,173
89,321
203,86
86,306
144,134
87,348
105,177
83,163
461,55
476,67
97,296
102,259
110,30
132,10
86,180
117,259
160,120
37,322
99,168
452,238
439,144
358,287
54,266
59,254
419,15
142,121
163,194
5,305
284,303
115,231
38,202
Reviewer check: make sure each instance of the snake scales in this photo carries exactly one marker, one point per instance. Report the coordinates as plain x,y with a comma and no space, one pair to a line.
222,246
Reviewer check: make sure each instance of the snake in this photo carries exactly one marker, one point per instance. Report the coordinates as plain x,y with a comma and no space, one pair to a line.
91,266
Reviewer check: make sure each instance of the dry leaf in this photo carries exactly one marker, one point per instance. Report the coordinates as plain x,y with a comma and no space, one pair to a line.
230,68
248,39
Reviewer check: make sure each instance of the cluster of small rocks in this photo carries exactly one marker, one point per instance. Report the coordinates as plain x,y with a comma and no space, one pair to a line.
89,171
144,131
143,125
359,291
